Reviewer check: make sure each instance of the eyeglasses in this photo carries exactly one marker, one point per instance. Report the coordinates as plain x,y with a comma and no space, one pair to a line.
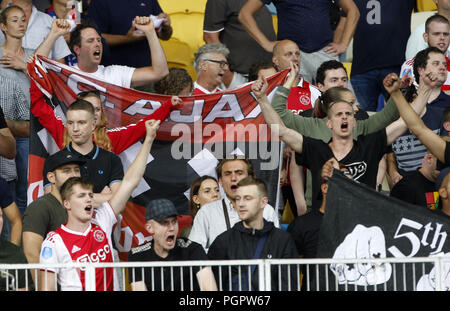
221,63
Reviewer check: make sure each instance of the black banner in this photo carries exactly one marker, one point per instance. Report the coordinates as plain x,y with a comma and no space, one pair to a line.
362,223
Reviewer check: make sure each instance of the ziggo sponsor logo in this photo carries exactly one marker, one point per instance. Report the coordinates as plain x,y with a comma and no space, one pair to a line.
98,256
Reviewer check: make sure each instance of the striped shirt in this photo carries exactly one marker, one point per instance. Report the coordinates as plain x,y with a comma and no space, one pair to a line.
408,149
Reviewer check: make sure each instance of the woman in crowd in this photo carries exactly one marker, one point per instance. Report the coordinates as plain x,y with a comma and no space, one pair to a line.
15,102
204,190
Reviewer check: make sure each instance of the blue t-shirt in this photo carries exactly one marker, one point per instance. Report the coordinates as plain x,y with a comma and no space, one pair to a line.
381,34
305,22
116,17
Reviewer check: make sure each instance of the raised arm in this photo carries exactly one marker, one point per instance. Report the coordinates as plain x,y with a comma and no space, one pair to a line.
60,27
248,21
136,170
45,114
392,84
159,68
415,124
124,137
304,125
292,138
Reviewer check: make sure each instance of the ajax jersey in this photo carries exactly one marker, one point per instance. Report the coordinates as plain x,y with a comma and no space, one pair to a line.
302,97
64,246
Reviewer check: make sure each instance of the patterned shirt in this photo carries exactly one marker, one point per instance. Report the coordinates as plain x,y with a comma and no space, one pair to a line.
16,107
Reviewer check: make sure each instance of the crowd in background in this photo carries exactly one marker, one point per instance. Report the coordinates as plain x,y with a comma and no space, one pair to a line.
374,121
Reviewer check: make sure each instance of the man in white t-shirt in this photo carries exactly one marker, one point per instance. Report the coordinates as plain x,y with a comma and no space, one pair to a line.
218,216
416,40
85,43
86,237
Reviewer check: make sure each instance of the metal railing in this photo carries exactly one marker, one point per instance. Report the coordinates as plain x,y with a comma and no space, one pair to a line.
387,274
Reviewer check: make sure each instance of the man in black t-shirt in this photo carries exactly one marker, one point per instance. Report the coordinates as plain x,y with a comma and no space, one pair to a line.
102,167
162,224
418,187
360,157
305,229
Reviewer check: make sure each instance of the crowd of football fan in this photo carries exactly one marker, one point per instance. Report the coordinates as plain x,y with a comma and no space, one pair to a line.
390,115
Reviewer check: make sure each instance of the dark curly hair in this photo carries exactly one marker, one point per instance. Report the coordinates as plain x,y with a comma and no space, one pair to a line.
174,82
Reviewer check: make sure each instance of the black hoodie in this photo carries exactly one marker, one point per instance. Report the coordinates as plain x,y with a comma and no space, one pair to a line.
240,242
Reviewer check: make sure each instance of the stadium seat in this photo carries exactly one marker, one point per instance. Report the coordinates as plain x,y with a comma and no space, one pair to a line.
187,20
188,27
426,5
186,6
348,67
419,18
275,23
287,216
179,54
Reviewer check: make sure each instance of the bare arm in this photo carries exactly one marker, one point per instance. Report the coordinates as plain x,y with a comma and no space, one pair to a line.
7,144
248,21
60,27
297,178
12,213
211,37
136,170
132,36
165,32
206,279
47,281
292,138
32,247
351,20
19,128
392,85
392,172
106,194
138,286
338,32
159,68
415,124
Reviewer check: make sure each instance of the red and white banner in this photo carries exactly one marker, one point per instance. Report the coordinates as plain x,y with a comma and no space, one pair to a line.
189,143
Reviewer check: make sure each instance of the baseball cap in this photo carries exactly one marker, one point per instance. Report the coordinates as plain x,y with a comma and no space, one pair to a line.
160,209
61,158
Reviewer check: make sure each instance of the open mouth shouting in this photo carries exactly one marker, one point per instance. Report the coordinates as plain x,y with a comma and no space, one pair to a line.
170,240
233,188
97,54
88,208
344,126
